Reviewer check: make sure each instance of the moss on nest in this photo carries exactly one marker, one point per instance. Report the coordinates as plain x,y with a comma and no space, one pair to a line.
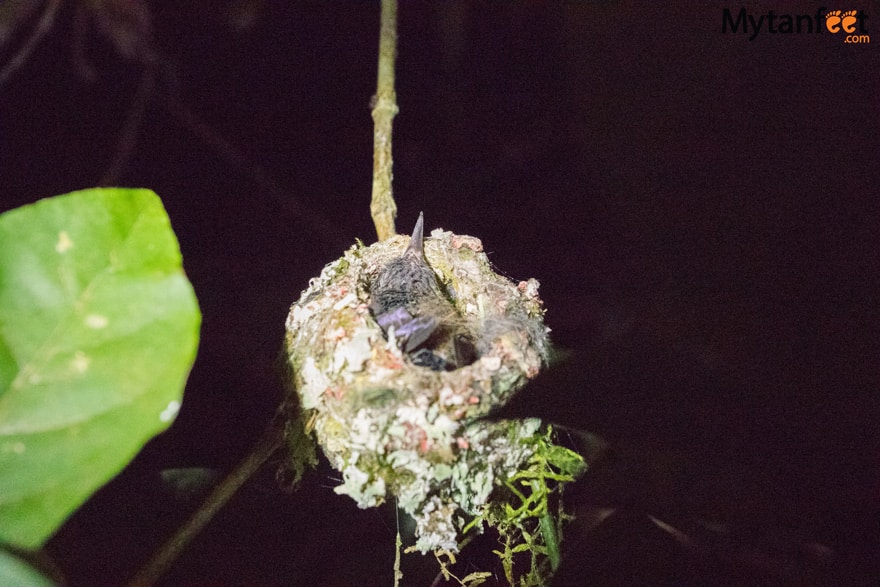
392,427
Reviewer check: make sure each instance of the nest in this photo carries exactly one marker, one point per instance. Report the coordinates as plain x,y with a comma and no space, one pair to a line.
395,428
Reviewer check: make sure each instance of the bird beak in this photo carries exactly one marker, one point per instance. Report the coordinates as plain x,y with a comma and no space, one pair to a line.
415,247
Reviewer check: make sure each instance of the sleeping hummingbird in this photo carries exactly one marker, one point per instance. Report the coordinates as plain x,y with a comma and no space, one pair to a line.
407,295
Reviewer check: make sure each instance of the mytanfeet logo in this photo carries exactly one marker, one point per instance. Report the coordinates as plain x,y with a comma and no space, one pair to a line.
845,20
850,25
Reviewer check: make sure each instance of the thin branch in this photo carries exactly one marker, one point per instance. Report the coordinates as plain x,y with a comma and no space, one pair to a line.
174,547
382,208
128,137
47,19
398,545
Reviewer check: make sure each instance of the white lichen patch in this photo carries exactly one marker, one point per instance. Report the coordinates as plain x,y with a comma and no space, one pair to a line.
170,411
80,362
13,447
96,321
397,429
64,243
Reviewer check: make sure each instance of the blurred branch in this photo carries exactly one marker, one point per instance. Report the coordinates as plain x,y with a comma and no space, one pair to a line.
128,137
382,208
45,23
172,549
326,230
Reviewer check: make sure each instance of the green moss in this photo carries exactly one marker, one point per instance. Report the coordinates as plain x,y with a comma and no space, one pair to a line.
527,512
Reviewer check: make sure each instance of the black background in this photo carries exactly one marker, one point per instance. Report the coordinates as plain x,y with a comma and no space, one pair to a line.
701,211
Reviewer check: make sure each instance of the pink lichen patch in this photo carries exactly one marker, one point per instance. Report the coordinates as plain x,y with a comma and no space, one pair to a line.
470,242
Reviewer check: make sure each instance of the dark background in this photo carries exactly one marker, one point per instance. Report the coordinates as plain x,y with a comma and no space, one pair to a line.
701,211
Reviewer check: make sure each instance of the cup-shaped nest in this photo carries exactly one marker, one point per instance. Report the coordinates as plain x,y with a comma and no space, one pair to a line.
396,428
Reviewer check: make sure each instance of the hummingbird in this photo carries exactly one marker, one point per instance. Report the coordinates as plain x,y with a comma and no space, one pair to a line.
408,296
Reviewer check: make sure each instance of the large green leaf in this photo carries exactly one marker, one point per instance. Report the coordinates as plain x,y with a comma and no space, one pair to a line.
15,571
98,331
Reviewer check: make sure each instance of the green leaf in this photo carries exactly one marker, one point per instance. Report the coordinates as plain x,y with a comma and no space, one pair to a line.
98,331
567,461
551,539
15,571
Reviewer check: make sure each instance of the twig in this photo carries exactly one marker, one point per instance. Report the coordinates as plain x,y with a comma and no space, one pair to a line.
439,577
43,26
382,208
128,137
172,549
398,544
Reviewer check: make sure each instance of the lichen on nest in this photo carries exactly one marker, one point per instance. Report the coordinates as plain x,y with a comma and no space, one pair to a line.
393,427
